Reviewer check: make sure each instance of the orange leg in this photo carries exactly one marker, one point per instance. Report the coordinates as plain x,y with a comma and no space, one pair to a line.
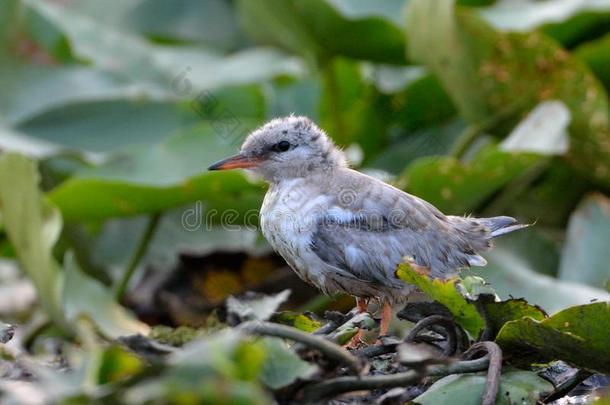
386,317
362,304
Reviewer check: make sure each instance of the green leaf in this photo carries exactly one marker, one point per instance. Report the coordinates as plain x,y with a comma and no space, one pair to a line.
83,296
133,57
282,366
32,225
117,364
223,368
522,387
304,322
595,55
157,177
445,292
317,30
459,188
483,69
586,255
577,335
345,111
211,22
497,313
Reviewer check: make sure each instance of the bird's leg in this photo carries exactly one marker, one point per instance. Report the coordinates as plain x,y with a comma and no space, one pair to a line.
356,340
386,317
362,304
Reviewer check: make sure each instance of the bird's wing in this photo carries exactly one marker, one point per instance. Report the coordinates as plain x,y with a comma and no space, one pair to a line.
369,233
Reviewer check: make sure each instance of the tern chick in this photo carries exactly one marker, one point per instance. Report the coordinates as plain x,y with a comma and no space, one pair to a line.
344,231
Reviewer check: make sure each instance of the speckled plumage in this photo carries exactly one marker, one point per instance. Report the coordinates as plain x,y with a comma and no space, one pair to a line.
344,231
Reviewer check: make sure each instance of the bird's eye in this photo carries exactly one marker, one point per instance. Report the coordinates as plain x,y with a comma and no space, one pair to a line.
281,146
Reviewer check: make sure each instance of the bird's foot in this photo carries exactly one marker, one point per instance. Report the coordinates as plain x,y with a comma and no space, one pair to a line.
356,341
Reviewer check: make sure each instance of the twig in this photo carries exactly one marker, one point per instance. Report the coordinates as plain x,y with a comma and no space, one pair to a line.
492,382
329,349
564,388
335,386
437,320
375,350
137,255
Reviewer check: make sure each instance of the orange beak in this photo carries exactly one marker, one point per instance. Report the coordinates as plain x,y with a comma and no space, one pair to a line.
238,161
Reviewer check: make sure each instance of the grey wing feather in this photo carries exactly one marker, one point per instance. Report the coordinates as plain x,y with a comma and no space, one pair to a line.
387,224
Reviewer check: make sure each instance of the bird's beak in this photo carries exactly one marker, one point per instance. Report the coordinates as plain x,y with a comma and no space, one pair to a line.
238,161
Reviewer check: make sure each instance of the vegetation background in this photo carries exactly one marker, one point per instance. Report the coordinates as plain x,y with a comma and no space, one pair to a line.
110,225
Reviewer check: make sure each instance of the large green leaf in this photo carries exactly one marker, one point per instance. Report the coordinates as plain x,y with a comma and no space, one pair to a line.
445,292
128,121
459,188
516,386
223,368
32,225
577,335
168,174
483,69
318,30
282,365
34,89
211,22
586,255
133,57
83,296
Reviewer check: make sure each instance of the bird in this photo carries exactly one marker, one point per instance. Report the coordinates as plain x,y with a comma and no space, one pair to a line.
346,232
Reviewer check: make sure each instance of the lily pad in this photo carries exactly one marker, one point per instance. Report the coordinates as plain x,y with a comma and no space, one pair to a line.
522,387
577,335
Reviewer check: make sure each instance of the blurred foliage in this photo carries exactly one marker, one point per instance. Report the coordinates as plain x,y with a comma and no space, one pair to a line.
112,111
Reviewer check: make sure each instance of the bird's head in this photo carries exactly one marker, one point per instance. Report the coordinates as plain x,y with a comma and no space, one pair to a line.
286,148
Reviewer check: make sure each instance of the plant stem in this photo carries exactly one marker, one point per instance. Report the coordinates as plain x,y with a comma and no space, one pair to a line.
492,381
329,349
149,232
465,140
317,392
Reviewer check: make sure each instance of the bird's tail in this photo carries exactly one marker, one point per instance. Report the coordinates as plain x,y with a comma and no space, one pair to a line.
502,225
